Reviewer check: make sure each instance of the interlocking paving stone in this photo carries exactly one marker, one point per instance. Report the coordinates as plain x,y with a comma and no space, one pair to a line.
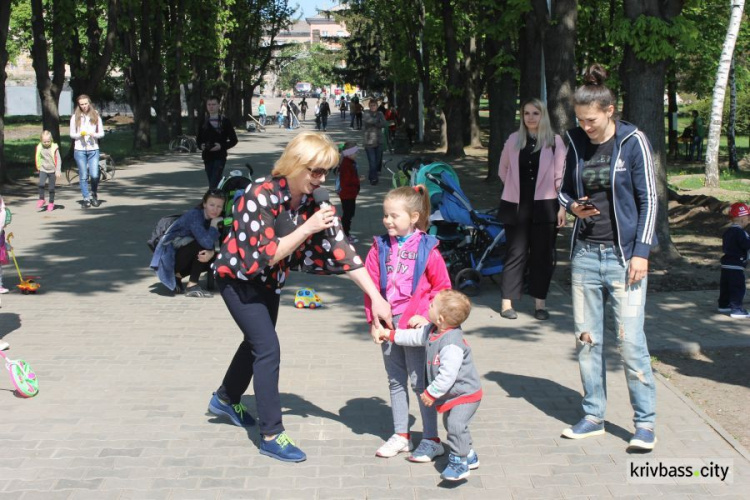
126,374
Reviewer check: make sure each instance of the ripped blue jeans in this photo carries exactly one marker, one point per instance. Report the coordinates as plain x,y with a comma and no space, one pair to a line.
598,276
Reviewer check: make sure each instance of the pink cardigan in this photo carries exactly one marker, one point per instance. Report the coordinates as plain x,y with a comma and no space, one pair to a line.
550,170
434,279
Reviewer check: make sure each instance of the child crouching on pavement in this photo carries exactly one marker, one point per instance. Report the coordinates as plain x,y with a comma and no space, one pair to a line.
735,244
454,387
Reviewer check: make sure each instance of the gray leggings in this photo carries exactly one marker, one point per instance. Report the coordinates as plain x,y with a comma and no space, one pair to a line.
43,176
456,422
402,365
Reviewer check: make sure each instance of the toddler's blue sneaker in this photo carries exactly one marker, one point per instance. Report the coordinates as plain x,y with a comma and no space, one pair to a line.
237,413
282,448
473,460
583,429
643,440
457,469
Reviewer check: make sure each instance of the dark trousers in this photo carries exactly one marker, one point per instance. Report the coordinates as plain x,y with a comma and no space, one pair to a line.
255,309
374,160
186,262
214,169
532,244
731,288
347,214
43,176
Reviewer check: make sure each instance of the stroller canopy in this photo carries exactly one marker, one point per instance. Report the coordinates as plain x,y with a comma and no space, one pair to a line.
455,206
437,169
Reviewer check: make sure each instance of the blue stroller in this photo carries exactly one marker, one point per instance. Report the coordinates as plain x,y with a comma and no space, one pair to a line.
472,243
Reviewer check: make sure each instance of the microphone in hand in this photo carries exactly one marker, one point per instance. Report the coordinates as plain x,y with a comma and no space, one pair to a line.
321,197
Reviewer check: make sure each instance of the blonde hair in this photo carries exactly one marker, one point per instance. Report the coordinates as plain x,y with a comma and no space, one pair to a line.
415,199
46,133
307,150
545,134
453,306
92,114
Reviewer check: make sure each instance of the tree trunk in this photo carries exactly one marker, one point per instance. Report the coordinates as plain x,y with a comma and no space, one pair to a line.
674,145
472,133
643,104
530,54
452,96
49,89
731,129
87,71
559,62
4,25
502,91
720,87
177,15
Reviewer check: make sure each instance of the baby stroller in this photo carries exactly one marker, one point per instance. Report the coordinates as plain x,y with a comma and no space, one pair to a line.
414,171
472,243
233,185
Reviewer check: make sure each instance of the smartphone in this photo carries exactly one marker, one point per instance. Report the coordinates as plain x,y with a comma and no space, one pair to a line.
586,204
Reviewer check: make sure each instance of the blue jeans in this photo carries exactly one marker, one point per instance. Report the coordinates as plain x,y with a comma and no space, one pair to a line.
374,157
597,276
696,144
214,170
88,166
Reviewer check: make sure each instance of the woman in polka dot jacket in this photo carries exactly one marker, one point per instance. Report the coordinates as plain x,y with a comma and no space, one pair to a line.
278,227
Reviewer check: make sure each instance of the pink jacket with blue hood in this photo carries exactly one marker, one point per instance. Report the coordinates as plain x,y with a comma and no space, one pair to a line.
430,275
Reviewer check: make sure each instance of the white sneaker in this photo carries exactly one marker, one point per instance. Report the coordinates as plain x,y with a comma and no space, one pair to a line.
3,289
426,451
396,444
4,345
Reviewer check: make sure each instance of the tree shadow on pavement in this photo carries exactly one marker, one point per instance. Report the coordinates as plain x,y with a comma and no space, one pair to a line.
9,322
549,397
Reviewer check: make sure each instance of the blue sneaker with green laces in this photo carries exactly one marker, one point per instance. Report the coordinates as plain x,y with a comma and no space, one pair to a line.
236,413
281,448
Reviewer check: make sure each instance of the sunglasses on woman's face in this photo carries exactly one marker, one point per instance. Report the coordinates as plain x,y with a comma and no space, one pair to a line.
317,172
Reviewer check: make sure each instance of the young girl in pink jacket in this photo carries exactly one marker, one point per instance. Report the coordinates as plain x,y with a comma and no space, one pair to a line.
409,270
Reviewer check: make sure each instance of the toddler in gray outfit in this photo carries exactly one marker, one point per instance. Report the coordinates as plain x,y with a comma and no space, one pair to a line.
454,386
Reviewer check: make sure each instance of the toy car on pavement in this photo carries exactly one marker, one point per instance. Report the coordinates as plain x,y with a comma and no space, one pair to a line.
306,297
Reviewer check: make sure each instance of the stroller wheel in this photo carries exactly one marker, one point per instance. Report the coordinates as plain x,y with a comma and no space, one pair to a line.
467,281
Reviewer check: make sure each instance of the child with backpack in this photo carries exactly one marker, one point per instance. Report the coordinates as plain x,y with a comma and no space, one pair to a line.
48,163
347,186
406,265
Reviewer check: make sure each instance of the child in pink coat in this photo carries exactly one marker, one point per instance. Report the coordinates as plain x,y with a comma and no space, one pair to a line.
409,270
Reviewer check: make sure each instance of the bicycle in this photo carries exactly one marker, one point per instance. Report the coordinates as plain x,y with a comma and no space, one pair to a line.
107,168
183,144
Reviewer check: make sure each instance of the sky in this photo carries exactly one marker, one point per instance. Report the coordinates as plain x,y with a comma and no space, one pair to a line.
309,6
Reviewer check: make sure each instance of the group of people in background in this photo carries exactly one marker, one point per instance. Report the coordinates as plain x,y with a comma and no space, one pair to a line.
604,178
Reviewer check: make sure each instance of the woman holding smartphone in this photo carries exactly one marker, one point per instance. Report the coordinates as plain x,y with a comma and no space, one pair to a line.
609,185
531,167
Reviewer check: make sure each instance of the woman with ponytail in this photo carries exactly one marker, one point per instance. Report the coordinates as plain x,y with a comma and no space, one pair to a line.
609,185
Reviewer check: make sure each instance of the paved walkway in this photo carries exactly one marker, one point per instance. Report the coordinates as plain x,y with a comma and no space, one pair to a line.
126,373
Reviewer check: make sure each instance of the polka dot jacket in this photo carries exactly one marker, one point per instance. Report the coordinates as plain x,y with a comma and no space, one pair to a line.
253,238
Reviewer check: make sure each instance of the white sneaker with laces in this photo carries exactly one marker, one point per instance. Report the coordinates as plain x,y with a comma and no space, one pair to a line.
396,444
426,452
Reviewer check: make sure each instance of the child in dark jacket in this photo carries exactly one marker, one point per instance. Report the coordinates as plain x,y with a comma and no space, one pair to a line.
347,186
736,243
454,385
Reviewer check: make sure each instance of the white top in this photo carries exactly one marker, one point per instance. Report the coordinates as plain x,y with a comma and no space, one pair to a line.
94,132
